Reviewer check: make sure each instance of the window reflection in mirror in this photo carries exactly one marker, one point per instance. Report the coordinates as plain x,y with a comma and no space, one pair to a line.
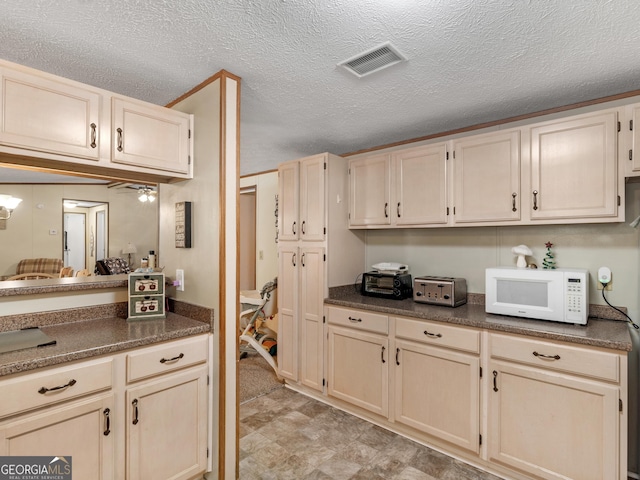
36,228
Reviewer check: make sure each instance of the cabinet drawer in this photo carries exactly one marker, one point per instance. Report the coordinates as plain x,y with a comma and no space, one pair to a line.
372,322
35,390
166,358
435,333
554,356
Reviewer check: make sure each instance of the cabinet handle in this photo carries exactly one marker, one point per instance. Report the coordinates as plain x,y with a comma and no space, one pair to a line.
135,411
495,382
44,390
165,360
549,357
293,228
293,259
398,210
119,130
107,421
302,227
513,201
93,135
302,259
386,210
535,199
382,355
397,359
432,335
352,319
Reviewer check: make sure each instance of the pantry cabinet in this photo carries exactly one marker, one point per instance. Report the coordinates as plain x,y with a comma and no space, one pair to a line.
55,116
312,220
574,167
358,358
150,136
555,411
486,178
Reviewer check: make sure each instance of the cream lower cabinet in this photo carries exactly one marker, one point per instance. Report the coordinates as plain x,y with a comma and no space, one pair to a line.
555,411
288,280
436,380
78,430
358,359
166,401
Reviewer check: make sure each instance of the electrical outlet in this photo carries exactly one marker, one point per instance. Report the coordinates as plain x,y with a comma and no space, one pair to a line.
604,278
180,278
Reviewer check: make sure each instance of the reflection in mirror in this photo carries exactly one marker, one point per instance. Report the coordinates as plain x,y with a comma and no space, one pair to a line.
37,228
85,233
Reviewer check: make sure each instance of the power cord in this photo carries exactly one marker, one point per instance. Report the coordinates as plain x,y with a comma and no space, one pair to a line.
635,325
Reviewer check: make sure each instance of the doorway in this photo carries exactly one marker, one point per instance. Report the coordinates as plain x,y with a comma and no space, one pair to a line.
247,234
74,240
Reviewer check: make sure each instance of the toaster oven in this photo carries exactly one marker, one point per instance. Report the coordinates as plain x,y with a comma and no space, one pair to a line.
387,285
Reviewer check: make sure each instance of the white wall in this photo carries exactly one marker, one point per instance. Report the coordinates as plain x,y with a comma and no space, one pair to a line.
266,248
466,252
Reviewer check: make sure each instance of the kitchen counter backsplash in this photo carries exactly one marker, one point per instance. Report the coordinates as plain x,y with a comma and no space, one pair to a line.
606,327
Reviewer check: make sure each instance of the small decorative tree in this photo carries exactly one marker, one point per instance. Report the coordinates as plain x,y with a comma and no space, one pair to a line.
548,262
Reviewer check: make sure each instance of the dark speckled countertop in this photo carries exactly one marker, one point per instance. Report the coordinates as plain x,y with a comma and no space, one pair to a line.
611,331
99,334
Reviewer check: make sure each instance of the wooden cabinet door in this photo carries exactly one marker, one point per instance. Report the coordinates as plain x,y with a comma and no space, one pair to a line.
574,167
311,316
634,126
369,180
145,135
288,272
437,391
312,198
81,430
420,185
49,116
288,204
486,183
167,427
553,426
358,364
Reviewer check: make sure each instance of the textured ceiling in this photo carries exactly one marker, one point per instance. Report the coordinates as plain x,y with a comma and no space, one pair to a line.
469,61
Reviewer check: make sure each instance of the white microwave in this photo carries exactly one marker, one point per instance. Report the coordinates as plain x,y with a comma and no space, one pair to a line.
560,295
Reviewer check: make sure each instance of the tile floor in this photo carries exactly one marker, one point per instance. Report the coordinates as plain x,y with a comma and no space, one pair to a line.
286,435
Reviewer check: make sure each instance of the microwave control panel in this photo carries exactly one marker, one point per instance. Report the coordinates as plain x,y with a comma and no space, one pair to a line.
576,295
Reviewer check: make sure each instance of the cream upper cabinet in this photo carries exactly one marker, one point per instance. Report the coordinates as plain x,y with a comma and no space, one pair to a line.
54,116
574,172
549,415
312,198
301,199
145,135
486,178
632,125
420,181
370,190
288,203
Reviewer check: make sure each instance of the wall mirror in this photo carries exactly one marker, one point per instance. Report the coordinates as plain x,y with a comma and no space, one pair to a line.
106,218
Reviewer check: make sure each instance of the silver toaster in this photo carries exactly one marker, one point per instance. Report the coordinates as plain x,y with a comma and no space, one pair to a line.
445,291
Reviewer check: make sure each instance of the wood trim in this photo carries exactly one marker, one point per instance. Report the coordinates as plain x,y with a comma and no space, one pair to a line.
237,323
517,118
200,86
259,173
222,403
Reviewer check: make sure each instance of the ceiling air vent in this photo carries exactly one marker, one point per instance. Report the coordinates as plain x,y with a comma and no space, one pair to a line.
372,60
